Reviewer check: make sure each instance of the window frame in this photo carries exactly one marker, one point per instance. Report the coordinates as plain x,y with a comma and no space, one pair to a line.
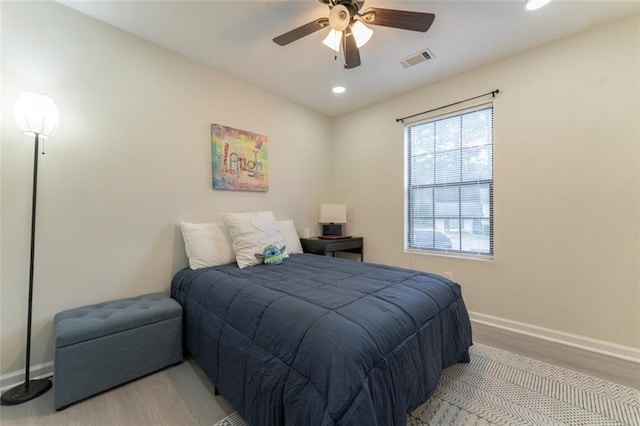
409,188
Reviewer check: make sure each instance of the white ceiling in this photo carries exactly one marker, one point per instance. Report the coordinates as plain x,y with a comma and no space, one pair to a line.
236,37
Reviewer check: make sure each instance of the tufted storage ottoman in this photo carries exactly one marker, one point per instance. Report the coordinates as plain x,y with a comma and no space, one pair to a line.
104,345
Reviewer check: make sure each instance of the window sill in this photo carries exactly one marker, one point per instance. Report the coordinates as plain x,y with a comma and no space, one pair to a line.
453,255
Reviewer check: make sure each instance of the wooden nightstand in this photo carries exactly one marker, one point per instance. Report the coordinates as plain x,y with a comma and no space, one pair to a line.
315,245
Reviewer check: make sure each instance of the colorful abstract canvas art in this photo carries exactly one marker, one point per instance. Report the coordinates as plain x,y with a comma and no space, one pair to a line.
239,159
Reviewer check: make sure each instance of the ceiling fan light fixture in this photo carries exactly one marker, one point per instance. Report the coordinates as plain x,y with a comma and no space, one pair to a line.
536,4
338,90
361,32
333,39
339,17
347,29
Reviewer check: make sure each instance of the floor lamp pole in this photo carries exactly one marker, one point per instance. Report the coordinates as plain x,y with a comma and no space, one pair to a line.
30,388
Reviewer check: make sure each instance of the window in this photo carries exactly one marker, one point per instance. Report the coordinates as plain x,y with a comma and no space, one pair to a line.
449,176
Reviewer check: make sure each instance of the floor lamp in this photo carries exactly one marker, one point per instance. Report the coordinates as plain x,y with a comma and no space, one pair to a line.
37,116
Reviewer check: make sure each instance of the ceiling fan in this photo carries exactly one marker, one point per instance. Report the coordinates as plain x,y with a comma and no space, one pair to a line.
348,29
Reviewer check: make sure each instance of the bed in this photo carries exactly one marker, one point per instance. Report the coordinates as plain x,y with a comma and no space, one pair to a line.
318,340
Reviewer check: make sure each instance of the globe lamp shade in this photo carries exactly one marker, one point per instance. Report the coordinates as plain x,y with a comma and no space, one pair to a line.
36,114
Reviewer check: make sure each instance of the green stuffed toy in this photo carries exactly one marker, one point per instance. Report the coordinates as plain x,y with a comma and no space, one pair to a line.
272,254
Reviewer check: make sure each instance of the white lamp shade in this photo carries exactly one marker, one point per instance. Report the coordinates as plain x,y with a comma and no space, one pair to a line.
361,33
333,39
36,114
333,213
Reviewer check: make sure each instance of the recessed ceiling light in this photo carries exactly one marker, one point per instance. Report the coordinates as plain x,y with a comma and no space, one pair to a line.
338,89
536,4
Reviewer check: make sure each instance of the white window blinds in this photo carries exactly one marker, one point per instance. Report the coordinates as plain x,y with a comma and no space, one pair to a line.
449,175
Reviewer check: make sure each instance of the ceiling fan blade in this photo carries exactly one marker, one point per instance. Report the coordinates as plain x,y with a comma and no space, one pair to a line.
302,31
351,52
402,19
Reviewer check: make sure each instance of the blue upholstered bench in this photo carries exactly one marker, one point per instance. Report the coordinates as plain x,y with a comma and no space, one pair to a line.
104,345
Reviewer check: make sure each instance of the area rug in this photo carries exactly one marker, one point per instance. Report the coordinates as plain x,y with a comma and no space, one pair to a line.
503,388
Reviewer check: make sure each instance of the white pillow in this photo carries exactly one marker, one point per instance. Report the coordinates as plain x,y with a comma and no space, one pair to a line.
207,244
290,236
251,233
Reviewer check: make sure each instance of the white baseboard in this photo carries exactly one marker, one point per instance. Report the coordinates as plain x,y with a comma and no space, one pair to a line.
626,353
39,371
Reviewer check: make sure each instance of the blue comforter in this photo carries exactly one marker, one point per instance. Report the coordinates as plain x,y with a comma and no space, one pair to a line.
322,341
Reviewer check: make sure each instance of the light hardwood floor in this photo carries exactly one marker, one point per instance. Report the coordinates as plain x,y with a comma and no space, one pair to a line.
183,395
178,395
594,364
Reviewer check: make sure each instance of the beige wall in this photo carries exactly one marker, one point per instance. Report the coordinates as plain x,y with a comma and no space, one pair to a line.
130,160
567,184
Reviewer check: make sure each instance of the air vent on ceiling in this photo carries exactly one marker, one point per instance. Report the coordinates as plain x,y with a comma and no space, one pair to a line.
416,59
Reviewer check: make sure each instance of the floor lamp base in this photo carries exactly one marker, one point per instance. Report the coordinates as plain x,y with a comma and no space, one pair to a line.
21,393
